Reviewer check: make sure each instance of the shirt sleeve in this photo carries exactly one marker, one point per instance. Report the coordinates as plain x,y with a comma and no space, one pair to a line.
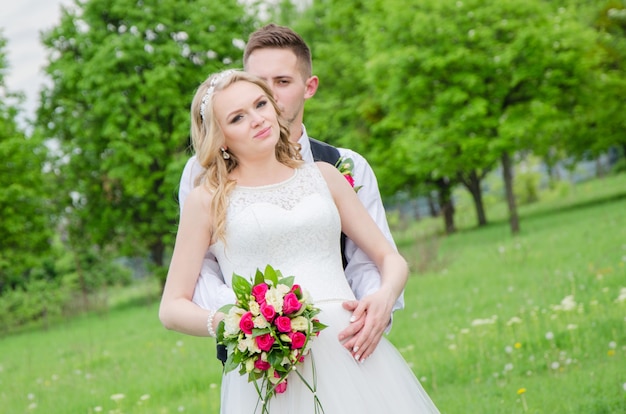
211,292
361,272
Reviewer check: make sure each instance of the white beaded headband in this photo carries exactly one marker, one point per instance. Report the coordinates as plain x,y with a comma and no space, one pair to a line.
211,88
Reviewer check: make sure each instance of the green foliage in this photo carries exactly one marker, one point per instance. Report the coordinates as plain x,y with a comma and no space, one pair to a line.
60,284
123,76
469,80
26,223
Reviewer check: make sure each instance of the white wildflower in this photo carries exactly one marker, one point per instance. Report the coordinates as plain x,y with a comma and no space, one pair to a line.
487,321
549,336
622,295
514,320
117,397
567,304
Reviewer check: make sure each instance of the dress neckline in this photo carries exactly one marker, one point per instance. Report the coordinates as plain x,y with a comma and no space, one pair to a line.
269,186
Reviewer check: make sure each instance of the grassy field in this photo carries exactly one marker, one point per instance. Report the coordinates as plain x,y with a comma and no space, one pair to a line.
493,324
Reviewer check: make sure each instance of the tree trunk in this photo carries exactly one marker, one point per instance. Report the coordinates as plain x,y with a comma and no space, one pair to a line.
473,186
434,211
157,250
507,175
446,204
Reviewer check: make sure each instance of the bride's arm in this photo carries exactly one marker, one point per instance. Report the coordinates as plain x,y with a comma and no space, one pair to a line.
357,224
177,311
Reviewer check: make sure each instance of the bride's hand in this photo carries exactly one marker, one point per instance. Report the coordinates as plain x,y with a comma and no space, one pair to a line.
370,318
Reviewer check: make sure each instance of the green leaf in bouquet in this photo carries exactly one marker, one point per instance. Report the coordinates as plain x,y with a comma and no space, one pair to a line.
271,274
276,359
259,277
226,308
318,326
287,281
219,334
230,363
260,331
242,289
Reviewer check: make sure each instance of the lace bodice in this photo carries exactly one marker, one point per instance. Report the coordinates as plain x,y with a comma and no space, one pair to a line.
294,226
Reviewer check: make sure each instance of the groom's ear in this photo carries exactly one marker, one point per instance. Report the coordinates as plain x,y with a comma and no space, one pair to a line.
311,86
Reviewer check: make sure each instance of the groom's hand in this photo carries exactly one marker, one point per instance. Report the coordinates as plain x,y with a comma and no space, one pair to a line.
370,318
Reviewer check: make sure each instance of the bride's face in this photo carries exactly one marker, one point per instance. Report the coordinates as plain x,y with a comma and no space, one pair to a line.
247,119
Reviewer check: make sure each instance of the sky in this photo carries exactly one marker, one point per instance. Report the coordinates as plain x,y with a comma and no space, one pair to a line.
21,22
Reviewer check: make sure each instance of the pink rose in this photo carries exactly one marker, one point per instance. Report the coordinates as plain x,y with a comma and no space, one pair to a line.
291,303
264,342
259,291
268,312
297,290
283,324
246,323
297,340
350,179
262,365
281,387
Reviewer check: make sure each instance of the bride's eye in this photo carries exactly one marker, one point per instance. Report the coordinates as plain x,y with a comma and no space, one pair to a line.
261,103
236,118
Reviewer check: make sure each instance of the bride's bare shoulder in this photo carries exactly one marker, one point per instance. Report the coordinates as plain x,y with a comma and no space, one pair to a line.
199,197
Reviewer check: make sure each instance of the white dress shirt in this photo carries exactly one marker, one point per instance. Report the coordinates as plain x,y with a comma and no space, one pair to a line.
362,274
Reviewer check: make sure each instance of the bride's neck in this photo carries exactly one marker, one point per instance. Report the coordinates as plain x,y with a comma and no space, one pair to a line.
266,173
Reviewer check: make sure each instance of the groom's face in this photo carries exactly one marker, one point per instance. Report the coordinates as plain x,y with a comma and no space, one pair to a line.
279,68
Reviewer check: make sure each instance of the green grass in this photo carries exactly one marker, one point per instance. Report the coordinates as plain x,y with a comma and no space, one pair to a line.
482,322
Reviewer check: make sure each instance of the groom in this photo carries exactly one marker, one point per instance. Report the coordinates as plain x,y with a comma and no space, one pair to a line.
281,57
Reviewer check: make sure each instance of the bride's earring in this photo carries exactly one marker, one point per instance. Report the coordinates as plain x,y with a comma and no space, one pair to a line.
225,154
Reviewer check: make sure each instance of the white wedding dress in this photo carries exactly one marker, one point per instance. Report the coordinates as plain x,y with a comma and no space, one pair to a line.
294,226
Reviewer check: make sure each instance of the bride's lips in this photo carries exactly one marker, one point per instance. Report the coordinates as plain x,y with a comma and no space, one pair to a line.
263,133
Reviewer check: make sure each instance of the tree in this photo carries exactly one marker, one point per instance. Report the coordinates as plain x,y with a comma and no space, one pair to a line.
123,75
601,124
26,225
468,84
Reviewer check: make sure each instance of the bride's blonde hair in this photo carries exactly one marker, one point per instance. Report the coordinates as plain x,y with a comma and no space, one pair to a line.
208,140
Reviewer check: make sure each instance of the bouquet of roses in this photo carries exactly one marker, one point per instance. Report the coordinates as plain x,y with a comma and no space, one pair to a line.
269,332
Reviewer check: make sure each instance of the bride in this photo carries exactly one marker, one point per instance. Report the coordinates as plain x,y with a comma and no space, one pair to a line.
256,204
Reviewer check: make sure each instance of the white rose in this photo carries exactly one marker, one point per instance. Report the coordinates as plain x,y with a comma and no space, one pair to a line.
248,344
275,298
254,307
260,322
300,323
284,289
249,365
231,320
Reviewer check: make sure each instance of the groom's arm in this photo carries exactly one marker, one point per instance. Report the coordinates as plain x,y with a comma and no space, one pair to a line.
361,272
211,292
364,277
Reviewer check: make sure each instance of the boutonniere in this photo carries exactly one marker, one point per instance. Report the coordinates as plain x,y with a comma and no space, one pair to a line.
345,165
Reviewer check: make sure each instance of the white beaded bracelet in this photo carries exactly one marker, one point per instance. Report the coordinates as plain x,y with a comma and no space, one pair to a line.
209,324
